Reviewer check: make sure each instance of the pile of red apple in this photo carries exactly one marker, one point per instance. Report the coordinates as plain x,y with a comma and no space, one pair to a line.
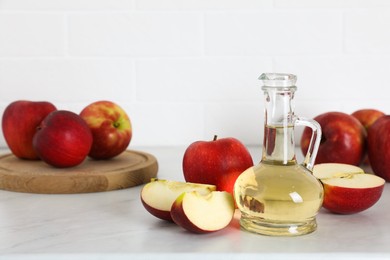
362,137
61,138
349,141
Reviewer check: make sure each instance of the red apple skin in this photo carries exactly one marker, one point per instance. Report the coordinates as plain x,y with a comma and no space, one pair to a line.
111,129
218,162
378,145
19,123
367,116
342,200
162,214
63,139
226,182
343,139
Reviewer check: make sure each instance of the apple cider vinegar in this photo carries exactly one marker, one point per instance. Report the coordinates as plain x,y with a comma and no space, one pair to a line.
277,198
280,197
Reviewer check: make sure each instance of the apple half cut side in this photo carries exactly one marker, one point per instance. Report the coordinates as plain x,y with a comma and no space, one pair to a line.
158,195
347,189
203,213
333,170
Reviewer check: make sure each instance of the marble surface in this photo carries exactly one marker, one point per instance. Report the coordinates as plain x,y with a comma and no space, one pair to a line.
114,225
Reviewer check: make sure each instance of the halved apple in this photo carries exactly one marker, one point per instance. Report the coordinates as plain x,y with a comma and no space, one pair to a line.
158,196
203,213
347,189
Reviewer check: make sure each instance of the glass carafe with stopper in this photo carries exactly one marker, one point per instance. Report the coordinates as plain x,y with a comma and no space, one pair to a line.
279,196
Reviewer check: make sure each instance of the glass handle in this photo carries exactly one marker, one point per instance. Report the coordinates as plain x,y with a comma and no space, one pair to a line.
315,140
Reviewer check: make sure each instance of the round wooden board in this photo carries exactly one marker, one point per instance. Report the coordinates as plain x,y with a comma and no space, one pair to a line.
131,168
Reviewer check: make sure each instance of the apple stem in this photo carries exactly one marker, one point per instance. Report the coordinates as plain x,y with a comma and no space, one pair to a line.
215,138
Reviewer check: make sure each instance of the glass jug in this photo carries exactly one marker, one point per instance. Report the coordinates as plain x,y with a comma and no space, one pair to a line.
279,196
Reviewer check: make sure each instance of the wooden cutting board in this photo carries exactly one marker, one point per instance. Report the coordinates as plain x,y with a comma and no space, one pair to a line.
131,168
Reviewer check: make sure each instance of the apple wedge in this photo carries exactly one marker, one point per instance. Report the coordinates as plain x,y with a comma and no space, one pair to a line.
203,213
347,189
158,196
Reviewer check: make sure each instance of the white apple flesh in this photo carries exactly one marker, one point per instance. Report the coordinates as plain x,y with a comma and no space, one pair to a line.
355,180
347,189
334,170
158,196
203,213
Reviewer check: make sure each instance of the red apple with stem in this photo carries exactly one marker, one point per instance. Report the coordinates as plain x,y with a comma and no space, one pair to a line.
19,124
63,139
218,162
343,139
110,126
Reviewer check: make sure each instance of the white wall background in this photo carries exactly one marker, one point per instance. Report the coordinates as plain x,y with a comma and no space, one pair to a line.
185,70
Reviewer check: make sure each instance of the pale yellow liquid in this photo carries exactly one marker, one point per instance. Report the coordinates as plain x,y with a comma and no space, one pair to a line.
278,198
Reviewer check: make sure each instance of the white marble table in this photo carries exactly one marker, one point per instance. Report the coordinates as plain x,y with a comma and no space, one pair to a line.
114,225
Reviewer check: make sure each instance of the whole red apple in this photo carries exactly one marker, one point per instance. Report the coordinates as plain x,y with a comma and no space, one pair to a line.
110,126
378,146
19,123
343,139
63,139
218,162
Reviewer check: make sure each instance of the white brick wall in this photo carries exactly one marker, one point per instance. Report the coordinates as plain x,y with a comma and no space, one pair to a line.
187,69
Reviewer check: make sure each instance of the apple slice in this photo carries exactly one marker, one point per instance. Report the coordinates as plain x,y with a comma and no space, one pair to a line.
347,189
158,196
203,213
